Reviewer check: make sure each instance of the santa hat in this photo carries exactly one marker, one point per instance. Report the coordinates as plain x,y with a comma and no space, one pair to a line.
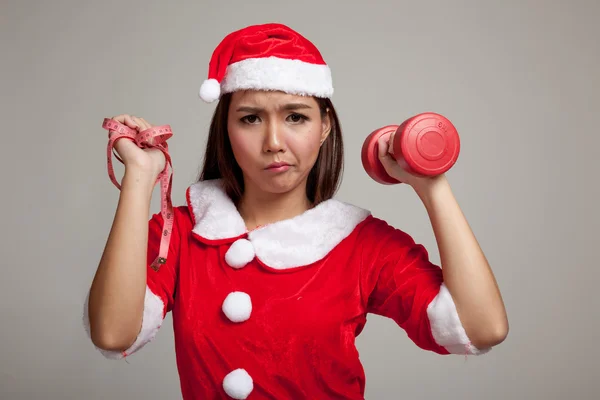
267,57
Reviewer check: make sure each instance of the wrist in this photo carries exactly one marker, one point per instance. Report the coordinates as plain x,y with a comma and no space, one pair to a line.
139,178
430,189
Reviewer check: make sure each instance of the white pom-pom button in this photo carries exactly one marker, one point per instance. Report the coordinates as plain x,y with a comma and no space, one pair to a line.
237,306
240,253
238,384
210,90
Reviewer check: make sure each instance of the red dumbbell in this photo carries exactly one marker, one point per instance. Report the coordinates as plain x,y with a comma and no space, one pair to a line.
424,145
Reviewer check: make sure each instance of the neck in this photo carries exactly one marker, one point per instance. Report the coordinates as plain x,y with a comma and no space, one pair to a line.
258,208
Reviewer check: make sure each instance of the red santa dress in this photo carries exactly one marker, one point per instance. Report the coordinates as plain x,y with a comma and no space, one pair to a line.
273,313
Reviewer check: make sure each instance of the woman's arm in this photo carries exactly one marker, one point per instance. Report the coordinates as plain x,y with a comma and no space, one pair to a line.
466,271
116,299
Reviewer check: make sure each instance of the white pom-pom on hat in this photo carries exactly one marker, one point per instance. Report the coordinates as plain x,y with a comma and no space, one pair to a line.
210,90
237,306
238,384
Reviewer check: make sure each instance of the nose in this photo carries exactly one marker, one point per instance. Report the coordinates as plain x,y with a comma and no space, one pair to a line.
274,138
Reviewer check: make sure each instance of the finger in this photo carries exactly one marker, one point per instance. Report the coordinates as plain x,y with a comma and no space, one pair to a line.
119,118
130,122
383,146
386,159
127,120
391,143
139,122
149,125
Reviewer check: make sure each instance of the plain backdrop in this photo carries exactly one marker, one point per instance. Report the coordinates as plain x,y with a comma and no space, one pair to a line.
519,79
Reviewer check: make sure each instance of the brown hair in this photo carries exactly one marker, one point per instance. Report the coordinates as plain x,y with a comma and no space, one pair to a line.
219,162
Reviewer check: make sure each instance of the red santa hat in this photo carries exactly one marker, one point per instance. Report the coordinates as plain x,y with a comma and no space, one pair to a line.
267,57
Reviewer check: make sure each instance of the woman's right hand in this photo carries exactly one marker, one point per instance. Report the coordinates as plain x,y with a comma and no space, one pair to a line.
151,160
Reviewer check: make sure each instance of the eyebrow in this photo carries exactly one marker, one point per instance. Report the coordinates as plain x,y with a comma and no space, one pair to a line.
287,107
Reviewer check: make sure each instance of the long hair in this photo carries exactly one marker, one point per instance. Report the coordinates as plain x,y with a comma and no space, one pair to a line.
219,162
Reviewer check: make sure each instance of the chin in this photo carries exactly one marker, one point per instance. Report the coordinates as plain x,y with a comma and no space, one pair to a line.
279,184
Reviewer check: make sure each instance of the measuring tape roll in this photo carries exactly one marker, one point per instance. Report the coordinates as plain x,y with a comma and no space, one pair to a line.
155,137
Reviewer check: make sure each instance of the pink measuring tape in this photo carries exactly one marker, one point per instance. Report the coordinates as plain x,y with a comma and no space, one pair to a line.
155,137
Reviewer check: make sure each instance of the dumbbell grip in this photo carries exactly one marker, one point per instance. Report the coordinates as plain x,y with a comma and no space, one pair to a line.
426,144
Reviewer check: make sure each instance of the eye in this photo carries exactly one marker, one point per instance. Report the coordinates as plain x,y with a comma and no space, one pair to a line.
297,118
250,119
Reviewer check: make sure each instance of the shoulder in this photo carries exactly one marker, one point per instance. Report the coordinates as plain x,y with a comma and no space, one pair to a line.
211,217
376,236
182,220
379,229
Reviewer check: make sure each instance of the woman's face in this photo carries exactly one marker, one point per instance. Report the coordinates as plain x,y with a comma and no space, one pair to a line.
275,138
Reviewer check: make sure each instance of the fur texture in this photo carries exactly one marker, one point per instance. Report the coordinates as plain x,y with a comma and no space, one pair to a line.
240,253
446,326
210,90
151,323
215,215
295,242
238,384
237,306
273,73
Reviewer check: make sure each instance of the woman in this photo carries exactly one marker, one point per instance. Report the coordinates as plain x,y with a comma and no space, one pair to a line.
268,277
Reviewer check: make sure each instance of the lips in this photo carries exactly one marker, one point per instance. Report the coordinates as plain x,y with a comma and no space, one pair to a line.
277,165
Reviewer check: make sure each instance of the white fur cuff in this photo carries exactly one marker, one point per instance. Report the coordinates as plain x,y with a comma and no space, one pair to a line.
151,323
446,326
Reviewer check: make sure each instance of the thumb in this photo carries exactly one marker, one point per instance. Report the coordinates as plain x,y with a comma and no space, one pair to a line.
386,158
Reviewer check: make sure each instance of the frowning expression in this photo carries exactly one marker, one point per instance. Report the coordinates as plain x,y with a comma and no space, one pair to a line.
275,137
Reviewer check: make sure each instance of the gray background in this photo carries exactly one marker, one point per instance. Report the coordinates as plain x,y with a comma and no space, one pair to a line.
520,80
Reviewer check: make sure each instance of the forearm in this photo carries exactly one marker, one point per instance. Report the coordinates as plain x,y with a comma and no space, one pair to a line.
466,271
117,293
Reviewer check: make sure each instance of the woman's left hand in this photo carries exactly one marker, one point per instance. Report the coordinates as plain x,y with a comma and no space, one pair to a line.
386,157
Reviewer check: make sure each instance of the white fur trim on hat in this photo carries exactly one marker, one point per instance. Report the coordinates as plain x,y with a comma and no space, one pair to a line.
273,73
240,253
238,384
210,90
237,306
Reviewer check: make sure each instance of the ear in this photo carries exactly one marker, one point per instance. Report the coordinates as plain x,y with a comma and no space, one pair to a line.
326,126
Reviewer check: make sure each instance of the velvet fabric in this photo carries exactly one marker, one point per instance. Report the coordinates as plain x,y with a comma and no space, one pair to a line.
263,40
300,340
267,57
274,313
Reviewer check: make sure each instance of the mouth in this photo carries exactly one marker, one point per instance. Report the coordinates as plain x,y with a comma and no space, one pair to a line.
278,166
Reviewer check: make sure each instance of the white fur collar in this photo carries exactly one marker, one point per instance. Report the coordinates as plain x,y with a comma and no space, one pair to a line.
294,242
